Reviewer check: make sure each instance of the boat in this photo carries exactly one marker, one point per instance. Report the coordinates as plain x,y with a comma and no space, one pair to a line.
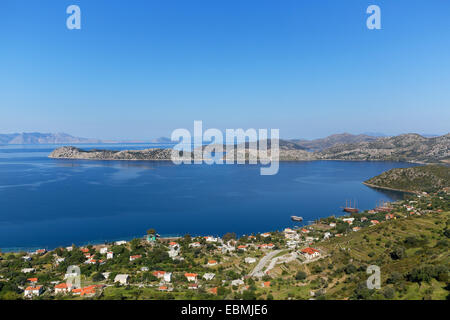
349,208
296,218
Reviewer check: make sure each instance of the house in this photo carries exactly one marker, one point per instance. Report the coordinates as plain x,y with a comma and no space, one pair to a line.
159,274
63,288
349,220
109,255
163,288
106,274
32,280
119,243
69,248
356,229
59,260
211,239
212,263
266,246
26,258
249,260
363,219
28,270
310,253
173,245
242,247
265,235
144,269
305,230
389,216
338,235
237,282
209,276
327,235
191,276
195,245
138,256
213,290
371,211
41,251
87,291
33,291
265,284
193,286
332,224
103,250
84,250
167,277
121,278
374,222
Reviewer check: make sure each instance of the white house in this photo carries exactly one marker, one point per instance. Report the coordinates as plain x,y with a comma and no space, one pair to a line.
348,220
211,239
209,276
212,263
28,270
26,258
119,243
121,278
138,256
332,224
144,269
103,250
167,277
33,291
195,245
191,276
106,274
63,288
310,253
250,260
237,282
69,248
327,235
109,255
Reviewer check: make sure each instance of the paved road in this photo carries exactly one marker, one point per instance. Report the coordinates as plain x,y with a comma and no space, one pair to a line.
259,267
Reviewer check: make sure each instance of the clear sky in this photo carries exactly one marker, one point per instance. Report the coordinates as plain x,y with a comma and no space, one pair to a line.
140,69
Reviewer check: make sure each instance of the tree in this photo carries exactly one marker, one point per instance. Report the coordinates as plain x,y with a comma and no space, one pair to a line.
398,253
98,277
300,276
229,236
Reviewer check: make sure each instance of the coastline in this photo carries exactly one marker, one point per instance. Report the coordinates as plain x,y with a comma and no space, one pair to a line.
387,188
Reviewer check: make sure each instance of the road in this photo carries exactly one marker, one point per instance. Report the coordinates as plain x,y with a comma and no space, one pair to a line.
259,267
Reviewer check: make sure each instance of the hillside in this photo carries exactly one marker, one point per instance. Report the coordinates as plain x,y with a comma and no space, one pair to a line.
331,141
430,178
406,147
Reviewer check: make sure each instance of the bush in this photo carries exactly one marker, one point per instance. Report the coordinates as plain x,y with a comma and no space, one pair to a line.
300,276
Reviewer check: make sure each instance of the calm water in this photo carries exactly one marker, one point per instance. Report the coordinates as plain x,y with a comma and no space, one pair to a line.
49,203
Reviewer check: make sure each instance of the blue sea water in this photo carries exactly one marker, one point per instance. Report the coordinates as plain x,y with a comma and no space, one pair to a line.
45,203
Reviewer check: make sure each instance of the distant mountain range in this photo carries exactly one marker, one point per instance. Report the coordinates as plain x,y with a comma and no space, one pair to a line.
62,138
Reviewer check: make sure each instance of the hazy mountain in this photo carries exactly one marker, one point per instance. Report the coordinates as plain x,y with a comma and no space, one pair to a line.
330,141
43,138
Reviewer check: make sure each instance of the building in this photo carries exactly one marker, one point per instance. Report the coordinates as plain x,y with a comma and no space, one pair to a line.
250,260
348,220
191,276
109,255
138,256
265,284
310,253
209,276
28,270
374,222
159,274
195,245
242,247
103,250
167,277
212,263
119,243
41,251
211,239
193,286
33,291
63,288
265,235
122,278
356,229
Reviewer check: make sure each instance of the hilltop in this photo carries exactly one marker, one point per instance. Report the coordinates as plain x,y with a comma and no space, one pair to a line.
429,178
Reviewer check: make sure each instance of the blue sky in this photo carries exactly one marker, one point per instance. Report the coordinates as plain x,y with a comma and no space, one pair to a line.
140,69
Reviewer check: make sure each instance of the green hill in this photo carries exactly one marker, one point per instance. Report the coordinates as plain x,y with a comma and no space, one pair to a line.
430,178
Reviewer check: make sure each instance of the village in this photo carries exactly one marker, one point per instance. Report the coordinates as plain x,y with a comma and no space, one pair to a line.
256,266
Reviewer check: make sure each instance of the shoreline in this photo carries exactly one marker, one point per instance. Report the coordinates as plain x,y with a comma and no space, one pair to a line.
387,188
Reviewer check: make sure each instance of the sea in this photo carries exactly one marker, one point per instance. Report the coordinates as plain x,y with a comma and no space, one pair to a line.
47,203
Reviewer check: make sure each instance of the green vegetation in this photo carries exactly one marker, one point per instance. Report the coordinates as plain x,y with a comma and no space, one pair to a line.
429,179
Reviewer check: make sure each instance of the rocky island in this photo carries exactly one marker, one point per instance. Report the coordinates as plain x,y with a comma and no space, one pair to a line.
406,147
